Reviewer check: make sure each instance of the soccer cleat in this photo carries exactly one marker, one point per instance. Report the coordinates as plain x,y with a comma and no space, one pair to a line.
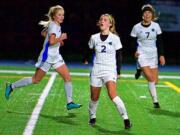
127,124
8,90
73,106
92,121
156,105
138,73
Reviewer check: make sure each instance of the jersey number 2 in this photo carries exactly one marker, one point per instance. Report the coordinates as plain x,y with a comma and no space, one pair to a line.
103,50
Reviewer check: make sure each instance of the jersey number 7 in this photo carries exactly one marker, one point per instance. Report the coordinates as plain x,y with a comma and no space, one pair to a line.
148,33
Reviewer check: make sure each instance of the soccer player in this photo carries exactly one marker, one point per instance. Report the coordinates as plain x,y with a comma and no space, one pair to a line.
105,45
50,57
148,35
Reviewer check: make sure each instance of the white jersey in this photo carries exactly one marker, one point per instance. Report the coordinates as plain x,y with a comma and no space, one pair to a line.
50,53
146,39
104,62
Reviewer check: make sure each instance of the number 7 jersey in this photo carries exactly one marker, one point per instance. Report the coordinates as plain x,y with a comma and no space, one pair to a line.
105,53
146,39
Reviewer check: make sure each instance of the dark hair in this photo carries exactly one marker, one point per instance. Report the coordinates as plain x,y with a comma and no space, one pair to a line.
150,8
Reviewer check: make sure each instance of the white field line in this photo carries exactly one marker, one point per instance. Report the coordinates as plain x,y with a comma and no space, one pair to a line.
84,74
160,86
35,114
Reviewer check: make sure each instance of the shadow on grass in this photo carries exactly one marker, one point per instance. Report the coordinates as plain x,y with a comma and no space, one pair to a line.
164,112
109,132
61,119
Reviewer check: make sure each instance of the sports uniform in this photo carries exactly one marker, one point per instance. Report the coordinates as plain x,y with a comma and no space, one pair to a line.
146,40
50,55
104,63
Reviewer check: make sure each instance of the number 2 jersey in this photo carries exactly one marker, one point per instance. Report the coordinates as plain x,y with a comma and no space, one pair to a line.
104,62
146,39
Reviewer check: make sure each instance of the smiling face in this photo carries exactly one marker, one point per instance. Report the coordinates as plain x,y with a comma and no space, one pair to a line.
147,16
104,23
59,16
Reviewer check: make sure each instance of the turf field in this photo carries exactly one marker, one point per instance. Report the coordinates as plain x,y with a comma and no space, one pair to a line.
54,119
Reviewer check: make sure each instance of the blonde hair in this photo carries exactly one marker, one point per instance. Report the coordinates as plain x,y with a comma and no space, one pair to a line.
155,15
52,11
112,21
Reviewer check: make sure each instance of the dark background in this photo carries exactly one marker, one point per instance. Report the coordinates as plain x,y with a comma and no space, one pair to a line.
20,37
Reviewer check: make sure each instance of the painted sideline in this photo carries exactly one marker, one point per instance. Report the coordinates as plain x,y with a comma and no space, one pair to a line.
35,114
83,74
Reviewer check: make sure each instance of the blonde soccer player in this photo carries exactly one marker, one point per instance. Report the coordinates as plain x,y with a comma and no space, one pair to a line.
50,57
147,35
105,44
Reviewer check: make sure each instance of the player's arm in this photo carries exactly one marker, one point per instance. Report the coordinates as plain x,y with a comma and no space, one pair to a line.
119,60
53,40
133,43
160,49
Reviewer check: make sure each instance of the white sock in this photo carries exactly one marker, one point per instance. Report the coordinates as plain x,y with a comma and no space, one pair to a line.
21,83
68,91
120,106
152,89
92,109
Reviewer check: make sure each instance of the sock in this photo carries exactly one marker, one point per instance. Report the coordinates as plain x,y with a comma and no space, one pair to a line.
92,109
21,83
120,106
68,91
152,89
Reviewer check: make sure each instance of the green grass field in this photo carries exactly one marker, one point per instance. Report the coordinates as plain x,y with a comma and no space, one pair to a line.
54,119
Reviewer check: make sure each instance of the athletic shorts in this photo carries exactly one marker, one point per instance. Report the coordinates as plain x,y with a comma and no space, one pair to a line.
99,81
45,66
151,62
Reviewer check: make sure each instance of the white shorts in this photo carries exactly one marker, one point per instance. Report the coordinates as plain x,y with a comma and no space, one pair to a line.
99,81
151,62
45,66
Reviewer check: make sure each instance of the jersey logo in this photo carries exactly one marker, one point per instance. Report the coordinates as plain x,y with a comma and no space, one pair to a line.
152,29
110,43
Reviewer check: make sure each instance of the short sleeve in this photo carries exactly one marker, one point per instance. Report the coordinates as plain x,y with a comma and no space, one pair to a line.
133,32
91,43
52,29
158,30
117,43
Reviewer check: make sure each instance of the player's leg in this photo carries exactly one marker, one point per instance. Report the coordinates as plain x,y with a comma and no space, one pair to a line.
39,74
138,71
111,87
95,93
155,74
151,84
95,89
64,72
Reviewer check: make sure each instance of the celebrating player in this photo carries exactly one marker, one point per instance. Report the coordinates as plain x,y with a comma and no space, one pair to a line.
148,35
50,57
105,44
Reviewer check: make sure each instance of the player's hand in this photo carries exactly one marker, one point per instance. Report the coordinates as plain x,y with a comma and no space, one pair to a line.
136,55
162,60
63,36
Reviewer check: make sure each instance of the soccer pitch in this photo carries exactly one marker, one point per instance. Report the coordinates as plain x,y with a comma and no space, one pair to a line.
55,119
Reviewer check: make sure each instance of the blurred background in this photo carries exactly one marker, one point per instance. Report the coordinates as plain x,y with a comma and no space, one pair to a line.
20,37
